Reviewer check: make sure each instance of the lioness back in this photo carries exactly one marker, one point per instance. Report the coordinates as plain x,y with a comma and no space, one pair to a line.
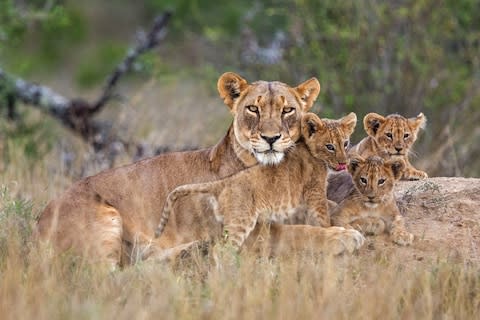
271,194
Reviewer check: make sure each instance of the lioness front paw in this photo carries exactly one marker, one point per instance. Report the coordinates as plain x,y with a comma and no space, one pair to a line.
402,237
343,240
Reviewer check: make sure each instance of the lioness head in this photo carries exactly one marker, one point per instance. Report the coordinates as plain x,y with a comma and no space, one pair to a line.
375,178
266,114
329,139
394,133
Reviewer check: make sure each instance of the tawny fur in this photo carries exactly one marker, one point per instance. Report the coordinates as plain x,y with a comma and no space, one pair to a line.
272,194
133,194
391,137
371,206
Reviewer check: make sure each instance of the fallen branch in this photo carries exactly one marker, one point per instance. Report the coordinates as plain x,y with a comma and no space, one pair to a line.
76,114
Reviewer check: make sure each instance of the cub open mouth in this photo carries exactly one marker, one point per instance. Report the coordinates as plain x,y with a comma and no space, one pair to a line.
341,167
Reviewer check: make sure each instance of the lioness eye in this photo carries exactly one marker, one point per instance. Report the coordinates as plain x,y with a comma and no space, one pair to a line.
288,110
330,147
381,181
406,135
363,180
345,144
389,135
252,108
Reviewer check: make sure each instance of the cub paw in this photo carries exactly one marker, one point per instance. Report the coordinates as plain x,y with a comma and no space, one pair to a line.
415,175
370,226
402,237
343,240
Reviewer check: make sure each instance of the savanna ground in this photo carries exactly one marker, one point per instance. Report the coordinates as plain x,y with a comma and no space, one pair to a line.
433,67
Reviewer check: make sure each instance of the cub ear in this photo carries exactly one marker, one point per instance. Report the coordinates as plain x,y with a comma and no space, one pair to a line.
311,124
230,85
419,122
372,122
354,163
349,122
308,92
397,166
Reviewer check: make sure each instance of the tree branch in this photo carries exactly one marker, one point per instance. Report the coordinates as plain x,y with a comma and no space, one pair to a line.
76,114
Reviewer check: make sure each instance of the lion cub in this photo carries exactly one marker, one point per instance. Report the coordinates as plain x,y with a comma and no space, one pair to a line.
371,206
272,193
391,137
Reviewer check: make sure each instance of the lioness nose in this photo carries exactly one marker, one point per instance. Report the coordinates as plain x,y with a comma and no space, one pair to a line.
270,140
398,149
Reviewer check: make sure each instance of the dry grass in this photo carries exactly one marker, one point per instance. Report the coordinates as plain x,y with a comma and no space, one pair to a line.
34,285
297,287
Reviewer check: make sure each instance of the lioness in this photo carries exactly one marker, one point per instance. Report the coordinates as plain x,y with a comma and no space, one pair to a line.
266,193
371,206
112,216
391,137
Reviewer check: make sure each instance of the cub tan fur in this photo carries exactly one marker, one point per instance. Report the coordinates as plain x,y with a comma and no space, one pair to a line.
371,206
271,194
111,217
391,137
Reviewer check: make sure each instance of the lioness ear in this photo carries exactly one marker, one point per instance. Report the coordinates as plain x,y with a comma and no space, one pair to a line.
397,167
311,124
372,122
349,122
355,162
308,92
418,122
230,85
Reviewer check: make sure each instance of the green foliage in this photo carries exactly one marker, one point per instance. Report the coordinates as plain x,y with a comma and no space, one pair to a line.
12,26
100,64
36,35
32,139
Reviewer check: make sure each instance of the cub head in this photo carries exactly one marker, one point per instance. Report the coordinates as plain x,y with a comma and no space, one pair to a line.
327,139
394,133
375,178
266,115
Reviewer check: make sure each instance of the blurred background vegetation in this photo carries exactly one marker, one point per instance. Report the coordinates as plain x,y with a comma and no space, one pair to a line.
378,56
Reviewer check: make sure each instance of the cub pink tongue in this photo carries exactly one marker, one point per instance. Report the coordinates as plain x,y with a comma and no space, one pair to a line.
341,167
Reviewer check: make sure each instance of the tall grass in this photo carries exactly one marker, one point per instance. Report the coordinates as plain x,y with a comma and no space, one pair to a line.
36,285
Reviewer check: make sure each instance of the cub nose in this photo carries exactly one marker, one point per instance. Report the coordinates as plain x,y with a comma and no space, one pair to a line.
270,140
371,198
398,149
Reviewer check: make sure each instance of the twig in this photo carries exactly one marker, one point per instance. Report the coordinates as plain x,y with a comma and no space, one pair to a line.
156,34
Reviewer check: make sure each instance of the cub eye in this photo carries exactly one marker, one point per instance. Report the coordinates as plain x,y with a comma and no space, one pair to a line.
381,182
288,110
330,147
389,135
252,108
406,135
345,144
363,180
